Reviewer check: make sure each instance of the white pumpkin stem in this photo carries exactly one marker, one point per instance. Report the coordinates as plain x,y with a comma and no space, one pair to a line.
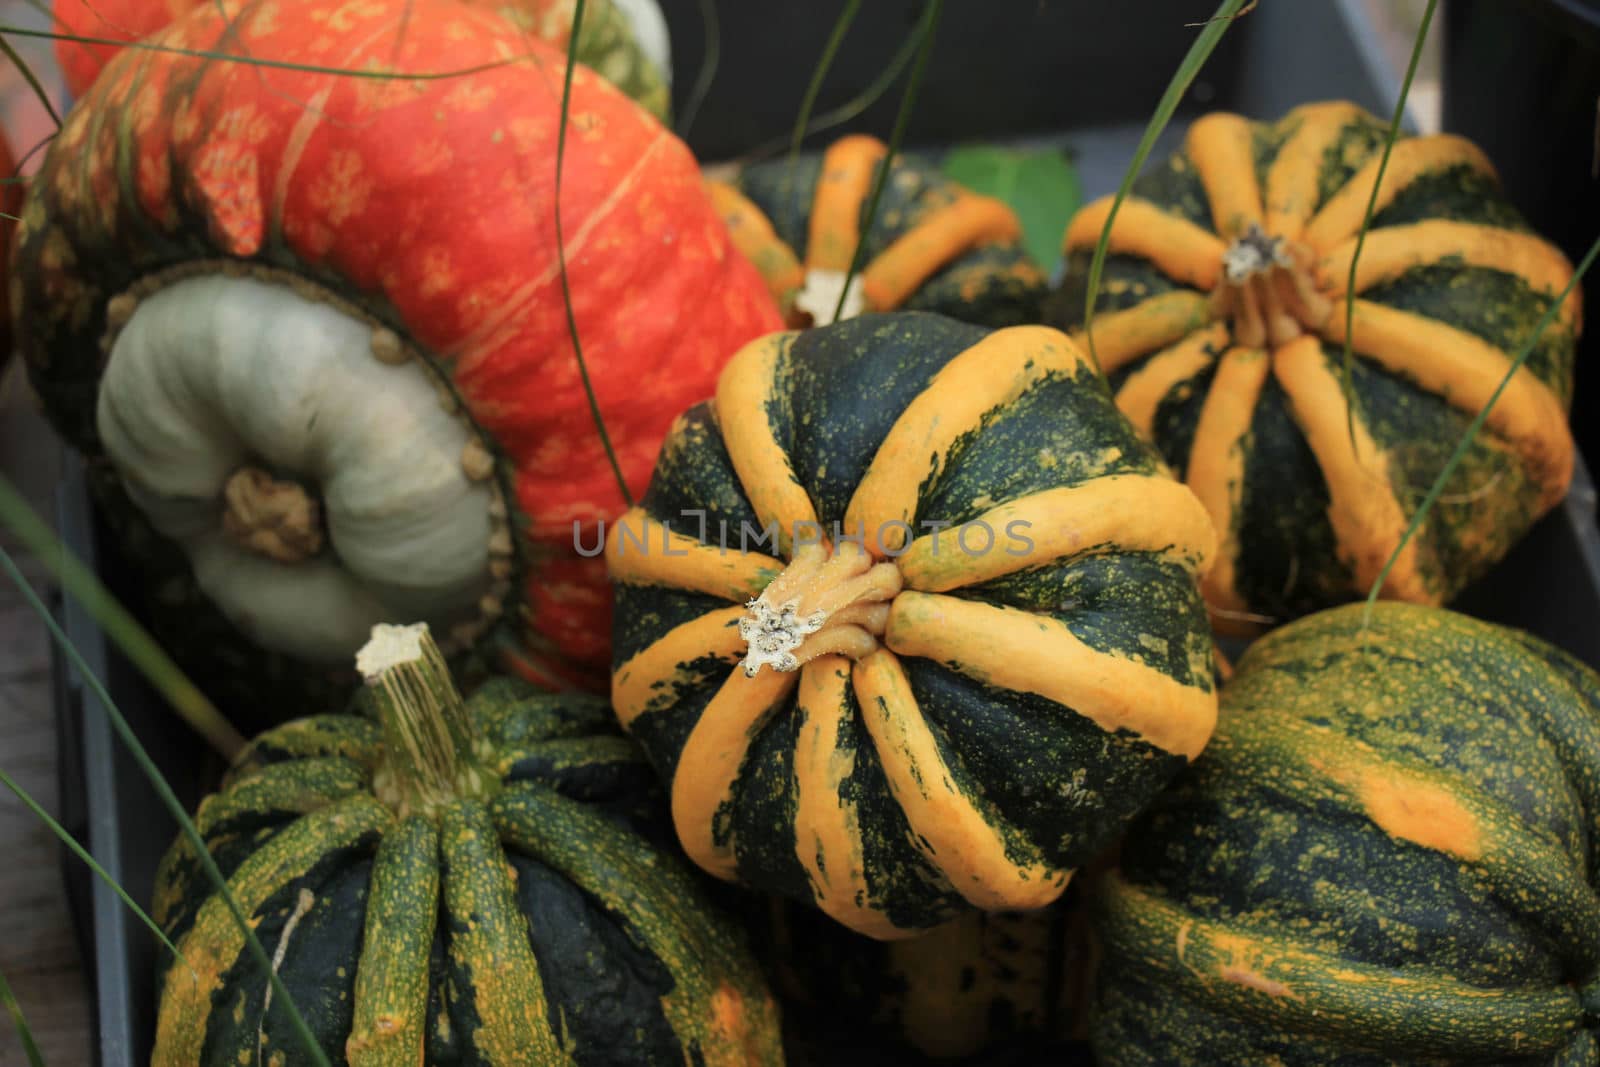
822,604
431,750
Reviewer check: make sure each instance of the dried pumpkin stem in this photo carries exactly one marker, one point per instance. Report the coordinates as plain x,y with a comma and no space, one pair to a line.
822,604
276,519
1269,291
431,750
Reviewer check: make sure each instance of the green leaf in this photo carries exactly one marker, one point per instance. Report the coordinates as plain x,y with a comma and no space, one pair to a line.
1040,185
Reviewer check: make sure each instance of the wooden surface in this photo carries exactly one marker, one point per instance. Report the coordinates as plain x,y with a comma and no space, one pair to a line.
38,950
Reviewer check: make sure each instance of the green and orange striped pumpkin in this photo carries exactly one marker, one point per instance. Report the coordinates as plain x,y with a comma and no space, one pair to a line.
1386,856
964,596
933,244
1221,322
455,882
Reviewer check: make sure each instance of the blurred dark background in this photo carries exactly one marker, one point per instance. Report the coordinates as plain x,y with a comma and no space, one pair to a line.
999,68
1523,81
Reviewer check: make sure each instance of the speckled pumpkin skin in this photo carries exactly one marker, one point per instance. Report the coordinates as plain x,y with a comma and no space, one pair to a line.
1386,856
1451,285
772,211
382,196
541,918
981,985
606,45
1020,707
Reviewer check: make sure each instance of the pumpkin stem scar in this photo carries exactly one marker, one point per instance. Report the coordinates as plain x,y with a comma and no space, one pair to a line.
822,604
276,519
357,488
432,754
303,904
1268,287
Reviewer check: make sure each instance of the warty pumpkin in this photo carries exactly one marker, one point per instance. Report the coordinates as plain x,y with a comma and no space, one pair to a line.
624,40
310,330
1221,322
933,245
909,620
1387,855
450,882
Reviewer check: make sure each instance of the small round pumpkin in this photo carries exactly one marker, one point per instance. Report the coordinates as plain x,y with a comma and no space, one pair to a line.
909,620
933,246
1221,322
310,331
624,40
1386,856
455,882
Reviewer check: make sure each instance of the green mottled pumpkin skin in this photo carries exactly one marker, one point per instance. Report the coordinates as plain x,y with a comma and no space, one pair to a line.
1289,559
1387,855
981,985
993,285
632,963
1051,778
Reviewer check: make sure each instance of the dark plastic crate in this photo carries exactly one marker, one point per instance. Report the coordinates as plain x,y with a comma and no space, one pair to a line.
1094,71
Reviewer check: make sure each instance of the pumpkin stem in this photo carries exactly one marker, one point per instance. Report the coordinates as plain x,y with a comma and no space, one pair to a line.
822,604
272,518
431,752
1269,290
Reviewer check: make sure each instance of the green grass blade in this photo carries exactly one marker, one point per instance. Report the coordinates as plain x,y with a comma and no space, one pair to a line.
133,639
83,854
561,255
170,800
849,109
926,27
1437,488
841,26
1199,52
708,66
32,80
22,161
35,1057
1346,366
276,64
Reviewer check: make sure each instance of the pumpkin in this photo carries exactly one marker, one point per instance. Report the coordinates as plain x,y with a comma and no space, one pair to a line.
310,331
1386,856
1221,322
450,881
933,245
909,620
10,205
624,40
979,984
